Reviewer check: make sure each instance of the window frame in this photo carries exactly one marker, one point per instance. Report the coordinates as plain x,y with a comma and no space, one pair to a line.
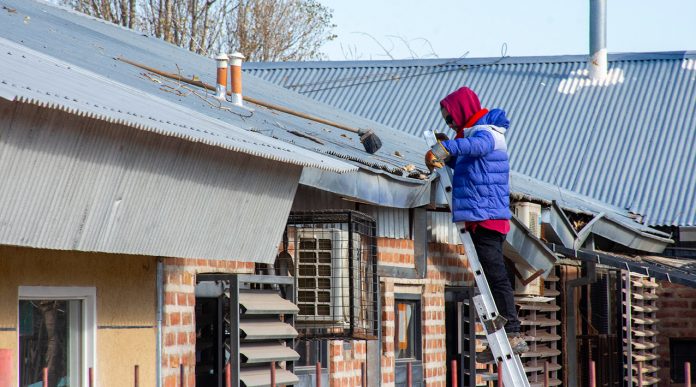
88,296
415,300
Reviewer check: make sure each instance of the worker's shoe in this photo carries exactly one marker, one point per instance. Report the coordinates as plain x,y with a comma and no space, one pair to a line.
517,342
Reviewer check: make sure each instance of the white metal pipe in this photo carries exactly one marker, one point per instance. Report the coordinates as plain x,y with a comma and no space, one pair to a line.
597,63
160,292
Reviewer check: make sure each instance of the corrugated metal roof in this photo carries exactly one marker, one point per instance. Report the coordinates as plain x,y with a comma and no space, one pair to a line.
628,142
70,183
93,44
31,77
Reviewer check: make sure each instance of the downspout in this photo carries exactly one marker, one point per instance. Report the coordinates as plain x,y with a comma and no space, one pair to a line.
160,285
597,62
571,326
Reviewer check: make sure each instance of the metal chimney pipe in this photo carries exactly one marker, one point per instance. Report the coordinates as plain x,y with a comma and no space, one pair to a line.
236,77
597,63
221,83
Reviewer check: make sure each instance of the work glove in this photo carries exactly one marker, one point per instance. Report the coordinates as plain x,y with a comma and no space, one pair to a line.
437,155
432,162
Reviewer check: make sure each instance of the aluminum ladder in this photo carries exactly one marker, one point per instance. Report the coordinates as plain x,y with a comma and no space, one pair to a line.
493,323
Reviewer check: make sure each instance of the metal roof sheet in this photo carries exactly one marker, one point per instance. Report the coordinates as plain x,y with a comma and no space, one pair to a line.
31,77
93,44
628,142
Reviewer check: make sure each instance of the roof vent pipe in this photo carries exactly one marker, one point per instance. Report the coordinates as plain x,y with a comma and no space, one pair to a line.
236,77
597,63
221,83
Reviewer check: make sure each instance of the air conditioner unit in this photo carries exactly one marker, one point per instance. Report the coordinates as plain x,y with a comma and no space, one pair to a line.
323,277
530,215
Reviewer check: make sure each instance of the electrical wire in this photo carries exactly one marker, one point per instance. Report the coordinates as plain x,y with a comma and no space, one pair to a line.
391,76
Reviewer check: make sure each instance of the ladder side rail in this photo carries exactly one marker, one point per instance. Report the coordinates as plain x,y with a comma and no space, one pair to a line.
493,324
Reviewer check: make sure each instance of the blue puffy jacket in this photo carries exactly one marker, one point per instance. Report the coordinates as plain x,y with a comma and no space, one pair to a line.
481,170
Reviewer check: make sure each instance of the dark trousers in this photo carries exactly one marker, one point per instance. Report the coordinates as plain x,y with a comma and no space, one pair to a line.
489,247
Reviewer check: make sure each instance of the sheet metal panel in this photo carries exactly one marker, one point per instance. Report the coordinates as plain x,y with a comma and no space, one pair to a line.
71,183
92,44
628,142
265,303
441,229
31,77
261,377
260,329
266,352
391,222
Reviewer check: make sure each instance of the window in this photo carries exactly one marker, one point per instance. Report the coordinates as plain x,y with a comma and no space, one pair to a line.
680,351
407,332
56,331
311,352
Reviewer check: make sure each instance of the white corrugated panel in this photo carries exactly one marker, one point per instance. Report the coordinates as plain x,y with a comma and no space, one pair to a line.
311,199
391,222
441,229
74,183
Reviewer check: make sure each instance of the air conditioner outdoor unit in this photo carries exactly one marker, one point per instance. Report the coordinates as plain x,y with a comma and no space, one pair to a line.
530,215
323,277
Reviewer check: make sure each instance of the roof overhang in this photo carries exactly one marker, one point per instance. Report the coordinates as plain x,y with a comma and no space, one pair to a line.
650,267
369,187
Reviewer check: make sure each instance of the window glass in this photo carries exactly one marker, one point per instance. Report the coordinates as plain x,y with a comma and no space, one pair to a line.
681,351
311,352
50,336
407,320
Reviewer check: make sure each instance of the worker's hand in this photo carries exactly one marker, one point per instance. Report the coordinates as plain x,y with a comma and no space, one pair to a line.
432,162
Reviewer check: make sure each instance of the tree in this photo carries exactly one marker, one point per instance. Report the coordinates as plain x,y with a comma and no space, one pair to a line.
280,30
263,30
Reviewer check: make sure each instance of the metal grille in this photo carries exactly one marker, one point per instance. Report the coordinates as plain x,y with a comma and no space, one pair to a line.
333,256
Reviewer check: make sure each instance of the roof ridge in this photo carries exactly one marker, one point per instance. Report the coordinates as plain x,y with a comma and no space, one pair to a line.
432,62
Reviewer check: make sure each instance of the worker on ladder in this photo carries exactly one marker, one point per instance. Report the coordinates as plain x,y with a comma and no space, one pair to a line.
481,194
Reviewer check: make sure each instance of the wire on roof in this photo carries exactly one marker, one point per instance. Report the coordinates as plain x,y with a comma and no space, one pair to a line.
390,76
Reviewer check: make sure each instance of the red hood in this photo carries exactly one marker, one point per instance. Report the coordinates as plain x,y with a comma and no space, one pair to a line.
462,105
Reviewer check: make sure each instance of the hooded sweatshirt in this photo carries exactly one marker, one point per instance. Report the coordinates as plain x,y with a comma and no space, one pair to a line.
481,194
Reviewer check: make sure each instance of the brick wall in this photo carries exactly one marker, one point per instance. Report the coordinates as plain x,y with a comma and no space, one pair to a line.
677,319
345,364
178,320
447,266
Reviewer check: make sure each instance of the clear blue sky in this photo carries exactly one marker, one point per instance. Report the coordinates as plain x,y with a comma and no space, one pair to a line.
481,27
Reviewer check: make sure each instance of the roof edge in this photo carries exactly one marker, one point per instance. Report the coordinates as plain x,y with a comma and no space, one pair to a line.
613,57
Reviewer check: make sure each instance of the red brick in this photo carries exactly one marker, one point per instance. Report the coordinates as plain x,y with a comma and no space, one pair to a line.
171,381
175,318
187,319
169,339
182,338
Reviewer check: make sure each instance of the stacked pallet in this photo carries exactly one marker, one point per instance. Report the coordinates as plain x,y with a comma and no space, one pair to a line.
540,326
539,315
640,329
